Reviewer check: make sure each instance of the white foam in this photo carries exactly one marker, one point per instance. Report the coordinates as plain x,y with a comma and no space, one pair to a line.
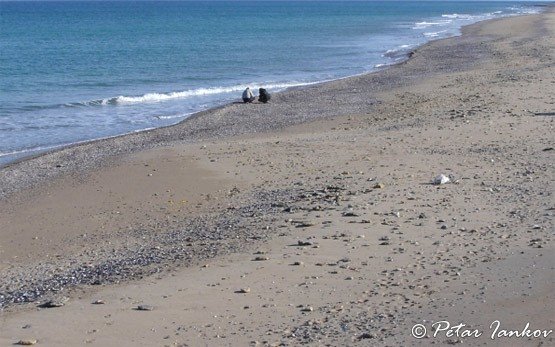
434,34
457,16
398,51
173,116
424,25
158,97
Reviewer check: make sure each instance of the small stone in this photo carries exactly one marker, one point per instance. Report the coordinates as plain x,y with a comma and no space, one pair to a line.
366,336
54,303
307,309
28,342
98,302
298,263
304,243
244,290
443,227
379,186
304,224
145,308
260,258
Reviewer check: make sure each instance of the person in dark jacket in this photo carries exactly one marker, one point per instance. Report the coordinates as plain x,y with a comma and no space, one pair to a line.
263,95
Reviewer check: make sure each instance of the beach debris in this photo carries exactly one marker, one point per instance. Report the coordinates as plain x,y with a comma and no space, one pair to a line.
260,258
350,214
54,303
366,336
384,240
144,308
298,263
379,185
26,342
303,223
441,179
307,309
244,290
98,302
304,243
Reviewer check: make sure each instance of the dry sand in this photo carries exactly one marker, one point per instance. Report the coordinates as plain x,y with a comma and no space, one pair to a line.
325,232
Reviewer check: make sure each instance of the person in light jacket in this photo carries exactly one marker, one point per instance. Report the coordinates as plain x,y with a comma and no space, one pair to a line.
248,96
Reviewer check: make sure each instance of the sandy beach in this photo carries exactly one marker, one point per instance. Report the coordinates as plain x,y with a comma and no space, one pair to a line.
310,220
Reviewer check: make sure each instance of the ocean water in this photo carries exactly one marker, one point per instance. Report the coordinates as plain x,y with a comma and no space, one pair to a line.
76,71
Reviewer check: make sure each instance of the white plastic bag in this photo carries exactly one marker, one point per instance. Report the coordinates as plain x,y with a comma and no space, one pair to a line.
441,179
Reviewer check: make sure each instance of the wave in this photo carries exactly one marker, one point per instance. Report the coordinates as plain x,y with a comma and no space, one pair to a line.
157,97
458,16
398,52
434,33
173,116
453,21
424,25
160,97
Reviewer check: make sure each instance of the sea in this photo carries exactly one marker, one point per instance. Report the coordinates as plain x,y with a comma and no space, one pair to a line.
74,71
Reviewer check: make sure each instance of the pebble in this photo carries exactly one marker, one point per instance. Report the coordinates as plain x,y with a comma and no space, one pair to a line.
364,336
145,308
54,303
304,224
28,342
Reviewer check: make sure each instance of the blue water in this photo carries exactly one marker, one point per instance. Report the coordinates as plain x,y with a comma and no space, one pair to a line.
75,71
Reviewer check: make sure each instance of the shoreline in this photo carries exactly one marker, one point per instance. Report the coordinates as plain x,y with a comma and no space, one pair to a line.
24,155
49,155
323,230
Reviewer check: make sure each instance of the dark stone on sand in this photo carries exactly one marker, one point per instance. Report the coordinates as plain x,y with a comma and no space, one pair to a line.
144,308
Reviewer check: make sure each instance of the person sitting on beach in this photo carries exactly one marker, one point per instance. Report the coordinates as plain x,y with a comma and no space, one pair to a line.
263,95
248,96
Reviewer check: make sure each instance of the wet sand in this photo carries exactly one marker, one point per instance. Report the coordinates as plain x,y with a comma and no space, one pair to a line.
309,220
